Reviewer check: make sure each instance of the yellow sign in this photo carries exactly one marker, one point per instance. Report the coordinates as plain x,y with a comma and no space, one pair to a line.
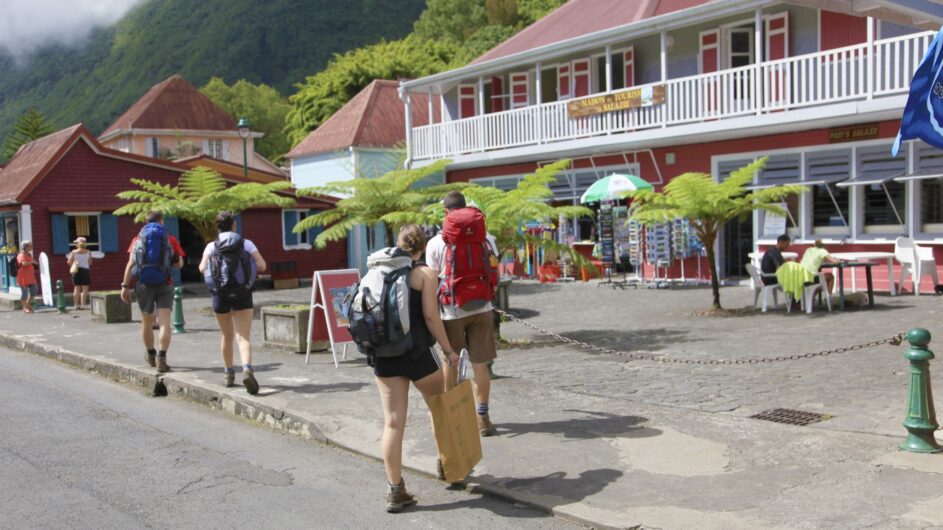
627,99
850,134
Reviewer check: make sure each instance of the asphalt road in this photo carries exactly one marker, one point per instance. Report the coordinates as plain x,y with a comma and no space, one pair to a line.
77,451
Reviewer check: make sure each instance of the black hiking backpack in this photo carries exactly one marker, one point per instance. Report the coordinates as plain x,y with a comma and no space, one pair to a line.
231,272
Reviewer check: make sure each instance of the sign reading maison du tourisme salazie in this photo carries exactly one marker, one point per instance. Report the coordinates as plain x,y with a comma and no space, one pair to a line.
626,99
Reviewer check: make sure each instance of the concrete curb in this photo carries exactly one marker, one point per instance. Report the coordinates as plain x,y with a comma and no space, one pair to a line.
287,421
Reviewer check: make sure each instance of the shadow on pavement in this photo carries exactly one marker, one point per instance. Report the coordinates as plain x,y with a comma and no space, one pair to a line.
557,486
312,388
524,289
596,425
634,340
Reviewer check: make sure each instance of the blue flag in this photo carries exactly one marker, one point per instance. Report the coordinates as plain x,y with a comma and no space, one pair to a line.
923,114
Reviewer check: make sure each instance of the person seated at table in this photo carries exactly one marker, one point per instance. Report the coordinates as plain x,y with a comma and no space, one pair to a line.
773,259
814,257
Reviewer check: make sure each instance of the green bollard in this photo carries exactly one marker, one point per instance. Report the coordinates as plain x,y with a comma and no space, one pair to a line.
178,311
921,416
60,296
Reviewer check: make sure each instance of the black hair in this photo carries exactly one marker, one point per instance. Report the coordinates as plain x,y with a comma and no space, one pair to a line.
154,216
224,221
784,239
453,200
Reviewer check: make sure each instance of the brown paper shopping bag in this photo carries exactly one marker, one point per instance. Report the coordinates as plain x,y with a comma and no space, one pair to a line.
456,430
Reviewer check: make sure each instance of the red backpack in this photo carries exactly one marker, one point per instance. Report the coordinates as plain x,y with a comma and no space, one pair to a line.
471,279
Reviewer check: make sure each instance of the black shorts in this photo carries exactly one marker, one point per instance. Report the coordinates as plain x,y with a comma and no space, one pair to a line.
222,307
82,277
413,365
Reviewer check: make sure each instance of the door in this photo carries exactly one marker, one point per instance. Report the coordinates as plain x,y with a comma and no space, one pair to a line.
738,243
466,101
777,81
739,54
581,78
709,62
497,94
563,82
519,90
628,61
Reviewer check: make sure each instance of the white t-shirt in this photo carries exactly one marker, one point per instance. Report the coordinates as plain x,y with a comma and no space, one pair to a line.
246,244
435,259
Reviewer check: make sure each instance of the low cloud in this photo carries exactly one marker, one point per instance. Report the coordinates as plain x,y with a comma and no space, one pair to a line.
26,25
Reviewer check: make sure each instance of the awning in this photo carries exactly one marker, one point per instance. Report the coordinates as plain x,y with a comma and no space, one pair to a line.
870,181
920,176
793,182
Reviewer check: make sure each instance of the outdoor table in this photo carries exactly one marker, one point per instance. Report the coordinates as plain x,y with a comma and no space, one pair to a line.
869,256
841,266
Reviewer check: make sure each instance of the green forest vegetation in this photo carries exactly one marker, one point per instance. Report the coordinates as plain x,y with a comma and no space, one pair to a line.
287,65
275,42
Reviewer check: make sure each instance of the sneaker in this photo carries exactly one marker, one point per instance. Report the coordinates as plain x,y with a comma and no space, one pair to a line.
230,380
162,366
485,427
398,498
439,470
248,379
150,358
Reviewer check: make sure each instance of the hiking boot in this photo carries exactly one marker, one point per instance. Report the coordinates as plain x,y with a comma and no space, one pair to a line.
230,380
485,427
439,470
248,379
150,358
162,366
398,498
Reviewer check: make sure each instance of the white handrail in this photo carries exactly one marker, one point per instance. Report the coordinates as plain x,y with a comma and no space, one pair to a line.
786,84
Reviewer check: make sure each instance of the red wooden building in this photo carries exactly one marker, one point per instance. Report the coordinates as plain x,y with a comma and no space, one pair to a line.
64,185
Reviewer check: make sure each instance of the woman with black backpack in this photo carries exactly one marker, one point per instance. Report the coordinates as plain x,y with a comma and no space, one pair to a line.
230,265
421,364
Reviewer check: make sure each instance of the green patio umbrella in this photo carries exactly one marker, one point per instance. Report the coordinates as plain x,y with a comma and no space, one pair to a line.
613,187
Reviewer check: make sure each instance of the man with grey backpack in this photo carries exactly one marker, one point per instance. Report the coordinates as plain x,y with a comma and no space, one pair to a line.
230,266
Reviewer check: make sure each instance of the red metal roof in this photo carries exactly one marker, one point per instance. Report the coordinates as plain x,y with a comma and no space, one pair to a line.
582,17
375,117
174,104
34,160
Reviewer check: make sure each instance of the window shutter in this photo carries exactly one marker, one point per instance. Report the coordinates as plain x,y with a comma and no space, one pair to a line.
206,147
239,223
290,219
108,225
60,234
172,226
315,231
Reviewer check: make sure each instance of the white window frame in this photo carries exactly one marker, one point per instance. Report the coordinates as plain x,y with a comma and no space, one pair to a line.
153,147
884,232
303,243
621,51
215,149
511,82
728,53
96,253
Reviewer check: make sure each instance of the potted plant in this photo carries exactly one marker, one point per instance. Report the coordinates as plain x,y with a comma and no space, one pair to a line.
549,271
285,327
107,307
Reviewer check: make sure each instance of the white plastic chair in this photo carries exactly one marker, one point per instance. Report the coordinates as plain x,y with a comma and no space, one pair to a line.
915,261
808,295
763,290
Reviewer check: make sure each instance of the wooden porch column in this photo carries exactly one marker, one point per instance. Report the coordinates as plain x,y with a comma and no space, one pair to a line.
869,71
409,129
664,74
608,68
758,59
431,106
538,99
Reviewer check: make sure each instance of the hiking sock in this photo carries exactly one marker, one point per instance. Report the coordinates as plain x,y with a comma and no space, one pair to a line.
152,351
162,353
247,368
230,370
482,409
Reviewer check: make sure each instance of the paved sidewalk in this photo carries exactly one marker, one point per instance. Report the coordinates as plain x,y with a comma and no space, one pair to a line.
592,437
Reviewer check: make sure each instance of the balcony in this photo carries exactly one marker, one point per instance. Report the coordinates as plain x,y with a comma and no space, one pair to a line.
781,86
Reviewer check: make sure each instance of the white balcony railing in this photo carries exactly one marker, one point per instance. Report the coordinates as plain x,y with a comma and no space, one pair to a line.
797,82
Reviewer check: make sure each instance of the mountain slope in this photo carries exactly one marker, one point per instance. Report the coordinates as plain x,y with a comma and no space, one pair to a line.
276,42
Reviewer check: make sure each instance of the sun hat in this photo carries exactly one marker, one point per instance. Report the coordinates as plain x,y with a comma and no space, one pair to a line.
79,240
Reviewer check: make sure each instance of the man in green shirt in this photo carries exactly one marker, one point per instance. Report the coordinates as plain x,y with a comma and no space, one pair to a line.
814,257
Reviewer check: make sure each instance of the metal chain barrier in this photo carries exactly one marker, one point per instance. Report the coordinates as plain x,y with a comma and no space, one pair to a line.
894,340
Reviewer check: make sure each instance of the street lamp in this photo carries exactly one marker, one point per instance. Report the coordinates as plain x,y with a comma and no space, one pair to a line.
243,127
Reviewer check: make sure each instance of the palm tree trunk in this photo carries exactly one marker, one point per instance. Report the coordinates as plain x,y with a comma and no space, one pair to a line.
709,240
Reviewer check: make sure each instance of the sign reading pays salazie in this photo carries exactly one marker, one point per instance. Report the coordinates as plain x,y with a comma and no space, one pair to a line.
627,99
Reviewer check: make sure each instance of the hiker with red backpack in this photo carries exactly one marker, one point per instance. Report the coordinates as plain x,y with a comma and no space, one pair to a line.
465,257
153,255
230,266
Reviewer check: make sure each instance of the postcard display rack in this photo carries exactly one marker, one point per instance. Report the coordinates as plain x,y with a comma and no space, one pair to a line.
685,244
658,248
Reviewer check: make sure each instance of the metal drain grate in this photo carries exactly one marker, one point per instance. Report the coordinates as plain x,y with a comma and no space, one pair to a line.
791,417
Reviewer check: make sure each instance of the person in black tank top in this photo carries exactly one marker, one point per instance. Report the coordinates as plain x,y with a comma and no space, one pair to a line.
421,365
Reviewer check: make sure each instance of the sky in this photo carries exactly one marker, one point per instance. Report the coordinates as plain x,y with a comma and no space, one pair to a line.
28,24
